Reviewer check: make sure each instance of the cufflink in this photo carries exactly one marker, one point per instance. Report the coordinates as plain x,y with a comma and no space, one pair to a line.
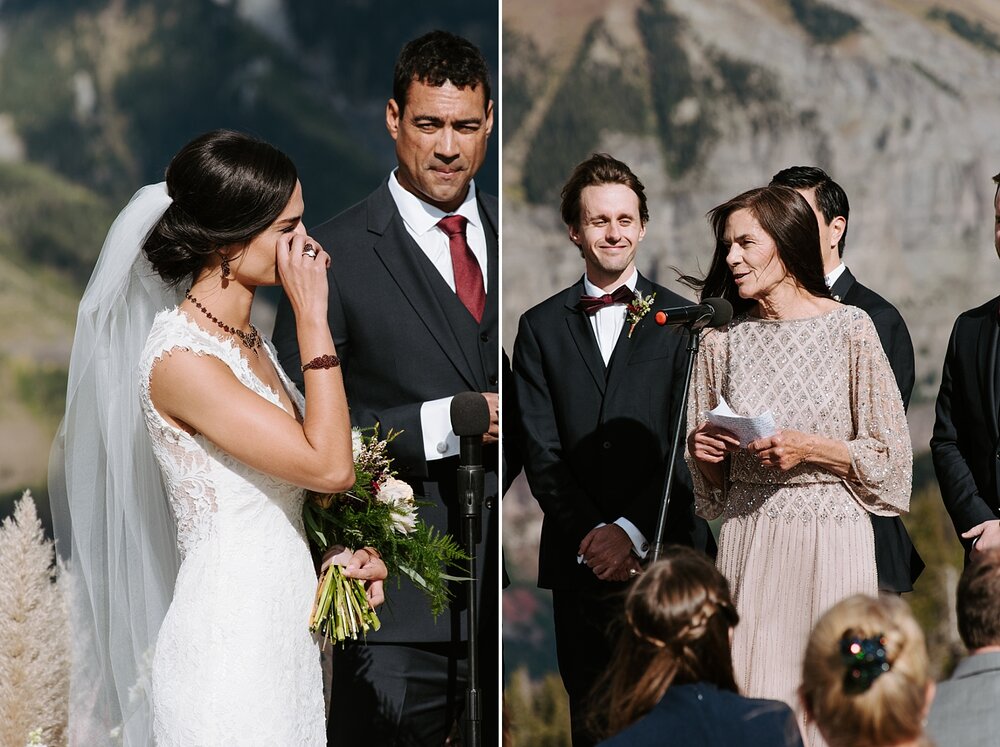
645,547
442,447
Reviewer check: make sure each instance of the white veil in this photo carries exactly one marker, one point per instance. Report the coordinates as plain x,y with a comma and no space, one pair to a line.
109,508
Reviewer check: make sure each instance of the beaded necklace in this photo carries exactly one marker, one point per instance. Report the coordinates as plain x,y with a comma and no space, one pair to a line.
249,339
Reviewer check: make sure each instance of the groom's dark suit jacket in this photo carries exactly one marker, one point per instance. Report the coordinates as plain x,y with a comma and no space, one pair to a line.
404,339
966,441
595,439
896,558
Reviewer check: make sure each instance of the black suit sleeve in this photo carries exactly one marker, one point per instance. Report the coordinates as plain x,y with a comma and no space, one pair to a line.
958,486
510,447
898,347
552,480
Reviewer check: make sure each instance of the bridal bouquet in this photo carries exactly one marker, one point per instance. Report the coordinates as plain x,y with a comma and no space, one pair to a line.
380,511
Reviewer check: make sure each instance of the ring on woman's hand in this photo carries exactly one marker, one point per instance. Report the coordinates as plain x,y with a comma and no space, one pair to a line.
633,572
309,251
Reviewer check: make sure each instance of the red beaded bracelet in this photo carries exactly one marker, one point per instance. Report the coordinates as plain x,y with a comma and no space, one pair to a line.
322,361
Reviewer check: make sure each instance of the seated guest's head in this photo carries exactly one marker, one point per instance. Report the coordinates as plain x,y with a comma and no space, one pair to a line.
978,602
678,618
865,678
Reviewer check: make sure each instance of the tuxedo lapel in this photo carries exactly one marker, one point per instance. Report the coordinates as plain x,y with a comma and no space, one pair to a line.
583,335
840,289
406,264
987,358
627,345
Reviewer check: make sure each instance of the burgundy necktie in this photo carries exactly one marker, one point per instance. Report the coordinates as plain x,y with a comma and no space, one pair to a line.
590,305
468,276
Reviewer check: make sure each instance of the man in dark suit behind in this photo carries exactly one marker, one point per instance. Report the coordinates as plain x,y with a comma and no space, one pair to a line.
414,280
966,441
896,558
599,386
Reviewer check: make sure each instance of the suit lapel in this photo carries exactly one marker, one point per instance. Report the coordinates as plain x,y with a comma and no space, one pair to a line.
583,335
626,346
840,289
406,264
987,358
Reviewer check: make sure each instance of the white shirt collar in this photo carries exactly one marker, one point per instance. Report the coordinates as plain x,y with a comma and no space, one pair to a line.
421,217
592,290
834,275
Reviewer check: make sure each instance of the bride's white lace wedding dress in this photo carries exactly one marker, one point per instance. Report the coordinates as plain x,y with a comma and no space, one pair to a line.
235,663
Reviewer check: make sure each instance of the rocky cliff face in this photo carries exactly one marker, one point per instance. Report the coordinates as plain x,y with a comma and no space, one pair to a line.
707,98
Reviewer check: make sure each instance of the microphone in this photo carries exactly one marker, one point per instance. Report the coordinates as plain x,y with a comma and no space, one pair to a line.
470,419
713,312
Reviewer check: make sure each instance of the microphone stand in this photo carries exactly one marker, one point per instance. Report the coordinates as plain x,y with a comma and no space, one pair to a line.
471,488
694,340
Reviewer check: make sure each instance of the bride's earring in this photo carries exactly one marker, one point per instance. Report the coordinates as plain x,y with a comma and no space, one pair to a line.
225,267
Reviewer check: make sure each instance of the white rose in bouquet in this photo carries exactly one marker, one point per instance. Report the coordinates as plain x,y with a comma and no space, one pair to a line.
357,443
399,495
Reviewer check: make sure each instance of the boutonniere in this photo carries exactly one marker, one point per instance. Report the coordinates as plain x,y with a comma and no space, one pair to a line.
637,309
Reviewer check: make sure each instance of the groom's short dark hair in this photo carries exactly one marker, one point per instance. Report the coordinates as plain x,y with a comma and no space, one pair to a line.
437,58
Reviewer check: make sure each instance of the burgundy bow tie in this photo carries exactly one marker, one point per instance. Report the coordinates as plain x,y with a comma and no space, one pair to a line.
590,305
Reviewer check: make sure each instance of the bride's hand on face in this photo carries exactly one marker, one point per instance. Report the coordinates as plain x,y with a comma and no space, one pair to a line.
367,566
302,275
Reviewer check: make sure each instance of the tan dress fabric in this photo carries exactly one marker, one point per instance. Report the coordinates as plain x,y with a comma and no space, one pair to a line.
794,543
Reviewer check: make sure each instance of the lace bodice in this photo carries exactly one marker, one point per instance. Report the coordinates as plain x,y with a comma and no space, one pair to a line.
194,469
235,663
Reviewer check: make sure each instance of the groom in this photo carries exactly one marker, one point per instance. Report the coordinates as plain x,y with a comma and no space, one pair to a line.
414,282
599,387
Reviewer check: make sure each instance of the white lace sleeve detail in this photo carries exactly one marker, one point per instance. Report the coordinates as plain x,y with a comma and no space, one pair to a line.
183,458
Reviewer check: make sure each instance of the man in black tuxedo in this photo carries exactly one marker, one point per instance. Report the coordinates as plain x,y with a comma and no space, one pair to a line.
599,385
966,441
896,559
414,281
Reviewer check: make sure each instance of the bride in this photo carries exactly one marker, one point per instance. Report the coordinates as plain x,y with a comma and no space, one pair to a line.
178,473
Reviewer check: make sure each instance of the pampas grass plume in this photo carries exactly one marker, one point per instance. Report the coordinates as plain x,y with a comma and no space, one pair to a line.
34,634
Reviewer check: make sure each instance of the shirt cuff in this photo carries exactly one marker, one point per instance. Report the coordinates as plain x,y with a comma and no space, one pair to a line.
440,440
639,543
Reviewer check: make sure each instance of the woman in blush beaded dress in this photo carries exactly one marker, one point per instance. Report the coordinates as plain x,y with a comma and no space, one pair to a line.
183,458
796,536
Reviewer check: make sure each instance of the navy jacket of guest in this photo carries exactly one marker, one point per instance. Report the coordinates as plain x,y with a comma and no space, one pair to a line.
702,715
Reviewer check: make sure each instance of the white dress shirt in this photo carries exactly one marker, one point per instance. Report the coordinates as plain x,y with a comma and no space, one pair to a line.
420,219
607,325
834,275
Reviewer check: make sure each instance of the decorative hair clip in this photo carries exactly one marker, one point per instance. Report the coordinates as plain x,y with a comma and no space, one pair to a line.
865,659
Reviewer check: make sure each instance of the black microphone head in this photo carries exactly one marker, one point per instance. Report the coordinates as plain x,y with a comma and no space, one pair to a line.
722,311
470,414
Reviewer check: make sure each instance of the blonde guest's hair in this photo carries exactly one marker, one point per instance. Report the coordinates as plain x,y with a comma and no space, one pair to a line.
865,675
678,615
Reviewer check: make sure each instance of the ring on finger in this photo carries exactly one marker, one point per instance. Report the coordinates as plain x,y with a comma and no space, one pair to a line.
632,572
309,251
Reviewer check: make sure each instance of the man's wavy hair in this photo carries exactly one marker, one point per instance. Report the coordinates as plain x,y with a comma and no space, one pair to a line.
436,58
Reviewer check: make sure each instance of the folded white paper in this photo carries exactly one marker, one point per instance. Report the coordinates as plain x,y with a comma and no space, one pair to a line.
746,429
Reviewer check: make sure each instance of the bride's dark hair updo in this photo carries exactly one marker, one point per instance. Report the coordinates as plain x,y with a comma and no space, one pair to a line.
226,187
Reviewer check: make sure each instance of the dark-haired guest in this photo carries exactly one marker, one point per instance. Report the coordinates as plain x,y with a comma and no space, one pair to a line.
965,712
796,535
966,441
896,558
866,679
671,678
414,310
